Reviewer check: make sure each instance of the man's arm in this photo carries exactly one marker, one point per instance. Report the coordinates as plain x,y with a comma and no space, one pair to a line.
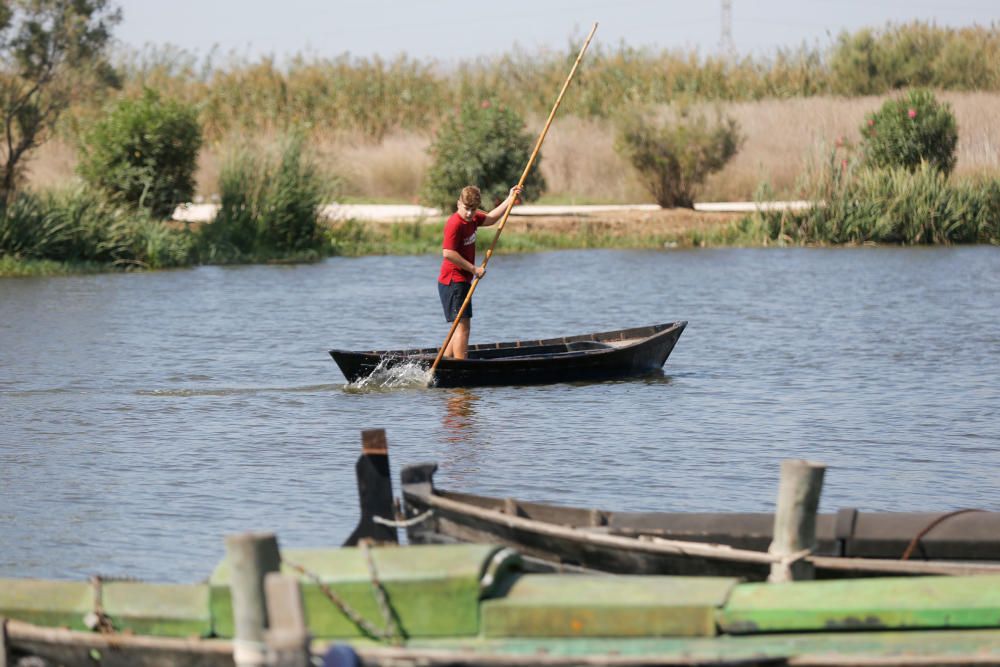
462,263
493,216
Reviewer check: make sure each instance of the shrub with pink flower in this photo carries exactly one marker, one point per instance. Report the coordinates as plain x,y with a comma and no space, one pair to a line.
909,130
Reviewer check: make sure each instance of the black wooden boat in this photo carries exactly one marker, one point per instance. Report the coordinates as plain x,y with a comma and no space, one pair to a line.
850,543
597,356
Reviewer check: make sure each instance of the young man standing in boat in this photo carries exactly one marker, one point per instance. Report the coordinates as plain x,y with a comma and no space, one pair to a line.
458,266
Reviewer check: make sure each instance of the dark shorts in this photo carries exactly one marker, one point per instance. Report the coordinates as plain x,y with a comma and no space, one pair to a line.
452,297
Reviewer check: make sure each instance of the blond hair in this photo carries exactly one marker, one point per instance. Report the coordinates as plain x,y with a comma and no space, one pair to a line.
471,196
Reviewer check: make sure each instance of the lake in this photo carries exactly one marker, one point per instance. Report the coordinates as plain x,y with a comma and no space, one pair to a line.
144,416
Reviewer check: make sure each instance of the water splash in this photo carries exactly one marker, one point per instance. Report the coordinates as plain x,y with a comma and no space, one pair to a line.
393,373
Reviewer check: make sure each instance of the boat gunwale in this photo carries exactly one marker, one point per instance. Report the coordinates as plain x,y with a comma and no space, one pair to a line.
673,547
630,342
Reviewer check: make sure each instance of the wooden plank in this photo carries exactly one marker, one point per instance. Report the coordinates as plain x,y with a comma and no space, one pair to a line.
884,649
167,610
540,605
864,604
56,603
71,648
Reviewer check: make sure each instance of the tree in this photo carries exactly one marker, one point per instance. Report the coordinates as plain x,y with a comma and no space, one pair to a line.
483,145
51,52
144,152
674,156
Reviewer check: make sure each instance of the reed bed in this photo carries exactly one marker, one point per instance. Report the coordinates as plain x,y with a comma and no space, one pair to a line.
785,139
857,205
376,96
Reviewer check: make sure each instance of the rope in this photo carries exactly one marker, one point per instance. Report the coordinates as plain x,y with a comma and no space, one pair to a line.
916,540
404,523
793,557
96,619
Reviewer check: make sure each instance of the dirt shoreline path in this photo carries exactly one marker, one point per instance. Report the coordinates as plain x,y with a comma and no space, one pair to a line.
609,220
614,220
626,222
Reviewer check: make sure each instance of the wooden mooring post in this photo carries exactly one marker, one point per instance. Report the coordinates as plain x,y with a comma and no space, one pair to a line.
5,658
795,520
374,490
287,636
251,557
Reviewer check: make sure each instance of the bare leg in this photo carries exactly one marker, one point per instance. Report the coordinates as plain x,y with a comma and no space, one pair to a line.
459,345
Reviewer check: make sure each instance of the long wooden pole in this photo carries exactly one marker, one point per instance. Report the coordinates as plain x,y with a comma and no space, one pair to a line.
506,213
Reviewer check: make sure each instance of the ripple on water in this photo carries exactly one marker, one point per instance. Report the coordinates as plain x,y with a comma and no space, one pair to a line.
144,417
235,391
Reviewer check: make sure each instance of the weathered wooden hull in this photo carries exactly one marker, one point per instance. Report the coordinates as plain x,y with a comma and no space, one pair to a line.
59,646
850,543
597,356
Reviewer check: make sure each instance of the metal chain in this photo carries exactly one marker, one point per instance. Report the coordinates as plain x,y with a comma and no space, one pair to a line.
391,633
366,628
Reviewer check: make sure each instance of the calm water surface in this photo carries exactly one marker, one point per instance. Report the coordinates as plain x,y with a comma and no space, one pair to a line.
142,417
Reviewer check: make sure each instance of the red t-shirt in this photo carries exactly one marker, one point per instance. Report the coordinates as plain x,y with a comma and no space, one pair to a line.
459,236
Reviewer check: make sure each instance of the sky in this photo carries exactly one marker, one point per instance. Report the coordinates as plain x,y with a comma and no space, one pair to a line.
450,30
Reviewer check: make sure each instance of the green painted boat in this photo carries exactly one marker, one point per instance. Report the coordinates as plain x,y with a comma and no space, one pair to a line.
475,604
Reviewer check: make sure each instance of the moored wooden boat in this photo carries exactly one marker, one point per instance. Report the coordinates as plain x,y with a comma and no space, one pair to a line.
597,356
850,543
472,604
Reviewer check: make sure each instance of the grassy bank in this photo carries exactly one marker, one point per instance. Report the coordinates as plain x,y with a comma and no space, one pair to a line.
354,239
892,212
18,267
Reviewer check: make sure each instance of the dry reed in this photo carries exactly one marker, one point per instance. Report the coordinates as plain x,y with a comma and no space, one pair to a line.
784,140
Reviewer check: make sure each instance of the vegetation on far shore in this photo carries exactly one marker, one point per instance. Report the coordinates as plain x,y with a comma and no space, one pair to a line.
868,207
374,96
141,126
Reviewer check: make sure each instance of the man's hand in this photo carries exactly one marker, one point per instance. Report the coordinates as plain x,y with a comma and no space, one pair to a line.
512,197
479,271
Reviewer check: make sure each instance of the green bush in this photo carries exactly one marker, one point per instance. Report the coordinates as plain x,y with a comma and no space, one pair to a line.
674,156
75,225
270,205
483,145
909,130
144,152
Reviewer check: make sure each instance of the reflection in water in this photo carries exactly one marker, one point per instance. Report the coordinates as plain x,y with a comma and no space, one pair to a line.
465,443
460,416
